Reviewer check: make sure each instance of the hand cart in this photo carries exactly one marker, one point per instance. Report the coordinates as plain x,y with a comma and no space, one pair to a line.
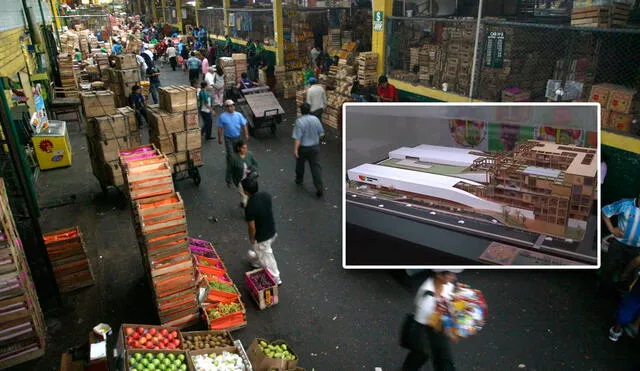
185,170
261,109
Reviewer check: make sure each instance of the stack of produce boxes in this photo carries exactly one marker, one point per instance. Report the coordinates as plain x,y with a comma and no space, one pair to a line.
124,74
343,80
275,355
174,126
223,307
109,129
161,227
229,68
217,347
147,347
21,321
367,68
617,106
68,257
68,71
240,63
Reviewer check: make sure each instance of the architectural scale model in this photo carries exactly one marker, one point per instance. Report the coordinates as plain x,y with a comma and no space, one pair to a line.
540,186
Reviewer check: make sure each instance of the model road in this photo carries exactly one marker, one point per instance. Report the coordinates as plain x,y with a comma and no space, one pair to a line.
573,250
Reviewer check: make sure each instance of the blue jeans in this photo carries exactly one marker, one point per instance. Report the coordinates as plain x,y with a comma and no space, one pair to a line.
154,91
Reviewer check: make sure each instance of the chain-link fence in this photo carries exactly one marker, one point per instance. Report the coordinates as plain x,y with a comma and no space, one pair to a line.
212,20
436,52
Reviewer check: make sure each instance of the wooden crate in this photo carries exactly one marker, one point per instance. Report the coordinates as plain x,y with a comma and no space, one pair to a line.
108,127
68,255
177,98
99,103
164,123
620,121
621,99
187,140
264,298
123,62
164,143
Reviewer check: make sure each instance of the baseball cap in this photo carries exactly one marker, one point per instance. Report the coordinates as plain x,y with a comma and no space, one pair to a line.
229,102
312,80
448,270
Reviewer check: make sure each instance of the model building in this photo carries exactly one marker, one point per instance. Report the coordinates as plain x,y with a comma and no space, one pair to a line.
539,186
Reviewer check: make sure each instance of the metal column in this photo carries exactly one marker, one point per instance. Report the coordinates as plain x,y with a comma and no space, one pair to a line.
278,31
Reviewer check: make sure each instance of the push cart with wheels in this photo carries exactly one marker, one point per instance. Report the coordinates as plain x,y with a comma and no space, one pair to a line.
261,109
186,170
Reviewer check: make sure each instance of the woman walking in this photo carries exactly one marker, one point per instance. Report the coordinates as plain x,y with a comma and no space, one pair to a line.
243,165
426,339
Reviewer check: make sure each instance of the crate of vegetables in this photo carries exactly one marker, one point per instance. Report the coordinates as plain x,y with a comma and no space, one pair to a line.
198,340
225,316
154,360
266,356
134,336
263,287
209,262
221,291
219,359
202,248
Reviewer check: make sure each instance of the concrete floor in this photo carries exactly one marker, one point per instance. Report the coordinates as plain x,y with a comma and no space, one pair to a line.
333,318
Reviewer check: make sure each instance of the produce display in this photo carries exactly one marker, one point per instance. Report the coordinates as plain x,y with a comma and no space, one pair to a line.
217,285
223,309
278,351
157,362
211,277
212,340
218,362
207,262
151,338
261,280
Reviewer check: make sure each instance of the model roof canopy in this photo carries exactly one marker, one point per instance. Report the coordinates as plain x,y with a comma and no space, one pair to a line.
436,154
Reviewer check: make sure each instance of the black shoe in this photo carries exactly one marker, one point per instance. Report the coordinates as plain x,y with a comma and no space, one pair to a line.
299,182
209,138
319,194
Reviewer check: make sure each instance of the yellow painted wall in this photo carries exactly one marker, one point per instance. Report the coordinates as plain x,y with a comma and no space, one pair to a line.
12,55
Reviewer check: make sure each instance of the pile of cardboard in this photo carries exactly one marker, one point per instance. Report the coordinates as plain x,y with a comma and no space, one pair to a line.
21,317
229,68
68,256
425,62
599,14
240,63
174,127
109,129
161,229
69,42
332,115
367,68
617,106
294,80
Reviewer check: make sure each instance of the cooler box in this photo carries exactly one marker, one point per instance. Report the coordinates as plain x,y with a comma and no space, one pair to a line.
52,146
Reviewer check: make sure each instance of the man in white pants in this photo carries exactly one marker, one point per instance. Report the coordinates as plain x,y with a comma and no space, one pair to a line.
262,228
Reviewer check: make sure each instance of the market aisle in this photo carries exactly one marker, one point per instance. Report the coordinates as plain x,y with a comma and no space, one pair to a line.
334,319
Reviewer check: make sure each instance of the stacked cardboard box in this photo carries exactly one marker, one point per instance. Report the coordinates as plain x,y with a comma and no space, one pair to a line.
161,228
280,72
617,106
425,62
240,63
83,41
21,320
69,42
108,131
335,41
68,257
367,68
174,126
229,68
332,115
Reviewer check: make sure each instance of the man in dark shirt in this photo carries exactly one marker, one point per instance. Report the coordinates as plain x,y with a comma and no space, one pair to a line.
262,228
137,102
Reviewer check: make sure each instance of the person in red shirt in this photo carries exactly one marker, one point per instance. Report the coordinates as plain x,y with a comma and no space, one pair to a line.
386,91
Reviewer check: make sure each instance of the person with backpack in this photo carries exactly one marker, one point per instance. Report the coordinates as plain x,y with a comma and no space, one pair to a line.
425,336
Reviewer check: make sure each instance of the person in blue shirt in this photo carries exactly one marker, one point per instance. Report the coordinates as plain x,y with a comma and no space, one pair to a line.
307,132
194,64
202,35
624,249
231,126
245,82
116,49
